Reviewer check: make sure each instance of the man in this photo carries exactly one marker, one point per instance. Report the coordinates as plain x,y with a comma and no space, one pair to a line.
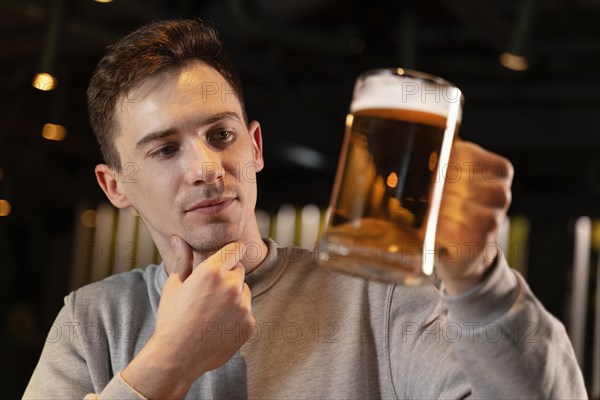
228,314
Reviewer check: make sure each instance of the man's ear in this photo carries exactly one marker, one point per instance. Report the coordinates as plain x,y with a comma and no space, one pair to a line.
256,135
108,179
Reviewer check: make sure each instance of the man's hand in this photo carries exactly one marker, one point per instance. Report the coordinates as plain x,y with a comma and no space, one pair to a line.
476,198
198,311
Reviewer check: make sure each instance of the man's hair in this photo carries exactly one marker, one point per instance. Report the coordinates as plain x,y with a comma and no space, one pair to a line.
151,49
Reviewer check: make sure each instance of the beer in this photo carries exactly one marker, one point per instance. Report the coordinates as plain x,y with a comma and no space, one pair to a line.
388,188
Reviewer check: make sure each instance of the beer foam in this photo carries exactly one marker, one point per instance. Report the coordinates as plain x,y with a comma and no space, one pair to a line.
407,93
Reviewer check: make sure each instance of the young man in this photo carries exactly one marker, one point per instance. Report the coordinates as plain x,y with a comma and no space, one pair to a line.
228,314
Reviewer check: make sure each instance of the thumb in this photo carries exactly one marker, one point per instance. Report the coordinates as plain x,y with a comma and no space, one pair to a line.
181,265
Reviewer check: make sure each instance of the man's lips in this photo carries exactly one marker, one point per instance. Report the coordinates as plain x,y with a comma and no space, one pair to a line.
211,206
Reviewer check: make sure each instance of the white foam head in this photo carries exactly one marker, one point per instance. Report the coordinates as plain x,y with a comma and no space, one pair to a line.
389,90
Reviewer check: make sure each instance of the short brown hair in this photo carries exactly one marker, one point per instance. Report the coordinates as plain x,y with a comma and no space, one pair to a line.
151,49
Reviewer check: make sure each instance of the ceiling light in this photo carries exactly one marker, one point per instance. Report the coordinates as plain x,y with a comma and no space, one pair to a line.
4,208
515,58
513,61
44,81
54,132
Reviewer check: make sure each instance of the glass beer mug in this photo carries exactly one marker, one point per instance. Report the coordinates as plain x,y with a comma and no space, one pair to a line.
386,198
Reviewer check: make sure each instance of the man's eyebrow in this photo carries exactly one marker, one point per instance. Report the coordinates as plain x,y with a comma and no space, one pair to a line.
218,117
151,137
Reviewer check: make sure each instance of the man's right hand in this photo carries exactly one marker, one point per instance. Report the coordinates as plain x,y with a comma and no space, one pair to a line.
197,306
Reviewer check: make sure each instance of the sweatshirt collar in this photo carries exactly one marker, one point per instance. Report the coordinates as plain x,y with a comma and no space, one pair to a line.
259,280
267,272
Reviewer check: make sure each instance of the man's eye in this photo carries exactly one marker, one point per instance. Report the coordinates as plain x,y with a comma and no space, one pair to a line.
165,151
221,137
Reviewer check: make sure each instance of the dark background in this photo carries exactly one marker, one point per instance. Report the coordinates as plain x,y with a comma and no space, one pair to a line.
298,60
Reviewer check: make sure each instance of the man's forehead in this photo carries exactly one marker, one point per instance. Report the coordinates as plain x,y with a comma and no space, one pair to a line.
177,95
204,79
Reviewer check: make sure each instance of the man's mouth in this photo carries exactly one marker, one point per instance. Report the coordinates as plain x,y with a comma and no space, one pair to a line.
211,206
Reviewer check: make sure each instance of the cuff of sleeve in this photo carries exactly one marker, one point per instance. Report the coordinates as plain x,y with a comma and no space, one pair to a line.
117,388
487,301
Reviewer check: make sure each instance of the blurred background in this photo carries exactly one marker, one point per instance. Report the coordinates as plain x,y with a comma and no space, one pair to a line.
528,69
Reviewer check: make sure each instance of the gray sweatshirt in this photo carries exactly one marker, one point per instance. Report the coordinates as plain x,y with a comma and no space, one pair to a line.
322,335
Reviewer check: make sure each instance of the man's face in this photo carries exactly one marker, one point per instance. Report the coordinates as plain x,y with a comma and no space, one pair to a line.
189,160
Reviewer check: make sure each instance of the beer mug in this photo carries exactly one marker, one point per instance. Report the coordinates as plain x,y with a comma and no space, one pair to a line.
386,197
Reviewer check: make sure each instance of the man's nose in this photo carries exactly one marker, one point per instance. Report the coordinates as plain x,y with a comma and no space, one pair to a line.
204,164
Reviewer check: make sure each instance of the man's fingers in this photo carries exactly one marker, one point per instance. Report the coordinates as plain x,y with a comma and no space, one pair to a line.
464,218
227,257
237,273
246,302
246,305
182,264
472,162
489,194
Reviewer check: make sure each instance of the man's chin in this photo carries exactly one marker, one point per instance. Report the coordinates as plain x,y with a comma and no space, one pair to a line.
212,243
211,247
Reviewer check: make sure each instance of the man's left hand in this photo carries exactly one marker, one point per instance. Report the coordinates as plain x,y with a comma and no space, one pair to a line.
476,197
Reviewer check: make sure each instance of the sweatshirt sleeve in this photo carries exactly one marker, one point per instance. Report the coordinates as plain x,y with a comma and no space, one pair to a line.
62,371
510,346
117,388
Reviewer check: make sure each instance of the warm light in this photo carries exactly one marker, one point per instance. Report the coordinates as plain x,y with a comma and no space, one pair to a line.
54,132
596,234
513,61
88,218
4,208
393,248
349,119
44,81
392,180
400,71
103,1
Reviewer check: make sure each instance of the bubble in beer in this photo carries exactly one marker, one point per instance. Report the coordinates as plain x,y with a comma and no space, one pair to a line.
433,160
392,180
